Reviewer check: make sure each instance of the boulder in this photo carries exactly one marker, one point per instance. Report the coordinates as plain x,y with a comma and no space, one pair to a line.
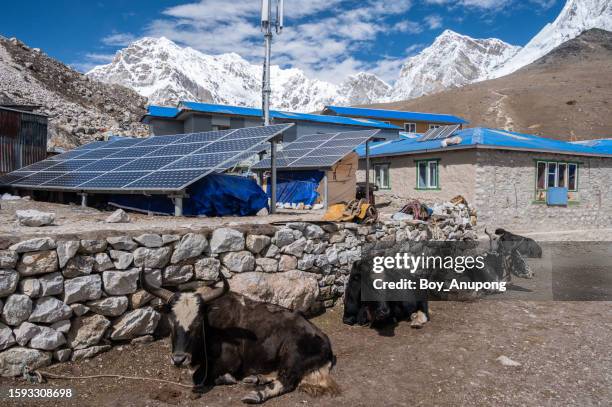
207,269
226,240
79,309
87,331
78,266
34,218
82,288
7,339
296,248
8,282
191,245
122,260
13,360
62,326
66,250
122,243
119,216
295,289
17,309
8,259
238,262
89,246
313,232
120,282
175,274
140,298
142,321
287,263
25,332
167,239
34,245
283,237
51,284
42,262
271,251
48,310
267,265
256,243
88,353
150,240
152,258
109,306
102,262
47,339
30,287
62,355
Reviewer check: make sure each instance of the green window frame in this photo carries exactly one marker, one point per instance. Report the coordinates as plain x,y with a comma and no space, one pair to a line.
550,173
382,177
427,174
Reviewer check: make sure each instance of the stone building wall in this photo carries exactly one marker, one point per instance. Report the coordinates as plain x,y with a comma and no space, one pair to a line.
505,193
73,297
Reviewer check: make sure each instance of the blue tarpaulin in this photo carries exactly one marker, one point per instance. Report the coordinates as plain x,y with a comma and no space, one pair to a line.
214,195
297,186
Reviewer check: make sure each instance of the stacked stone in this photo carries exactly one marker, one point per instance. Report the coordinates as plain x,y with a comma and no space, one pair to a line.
455,220
64,299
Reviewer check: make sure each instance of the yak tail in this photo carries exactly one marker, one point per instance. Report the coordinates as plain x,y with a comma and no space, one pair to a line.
319,382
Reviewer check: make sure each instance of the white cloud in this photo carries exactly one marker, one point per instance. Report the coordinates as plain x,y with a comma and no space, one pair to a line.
91,60
119,39
490,5
434,21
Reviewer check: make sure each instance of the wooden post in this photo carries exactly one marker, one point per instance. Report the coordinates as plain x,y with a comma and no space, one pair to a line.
367,178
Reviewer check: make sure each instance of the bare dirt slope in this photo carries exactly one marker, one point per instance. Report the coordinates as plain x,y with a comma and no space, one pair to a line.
80,109
563,348
567,94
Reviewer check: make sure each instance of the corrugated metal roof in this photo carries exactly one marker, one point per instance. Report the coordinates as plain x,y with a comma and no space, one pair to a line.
395,115
603,145
162,111
483,137
254,112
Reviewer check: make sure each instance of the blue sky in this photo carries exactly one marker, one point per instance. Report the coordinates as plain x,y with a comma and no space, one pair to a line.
328,39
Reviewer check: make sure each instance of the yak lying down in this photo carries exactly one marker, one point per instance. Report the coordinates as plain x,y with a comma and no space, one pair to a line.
226,337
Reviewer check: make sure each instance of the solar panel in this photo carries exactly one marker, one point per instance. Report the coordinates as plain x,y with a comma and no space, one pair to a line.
159,163
427,135
447,131
318,150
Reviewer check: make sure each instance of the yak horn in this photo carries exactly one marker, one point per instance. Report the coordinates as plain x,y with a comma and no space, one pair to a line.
490,239
215,293
165,295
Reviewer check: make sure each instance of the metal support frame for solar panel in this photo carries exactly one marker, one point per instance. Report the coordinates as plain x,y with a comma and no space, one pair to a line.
446,132
318,151
155,165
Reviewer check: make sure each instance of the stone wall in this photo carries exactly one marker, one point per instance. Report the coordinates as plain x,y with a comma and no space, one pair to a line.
72,297
506,190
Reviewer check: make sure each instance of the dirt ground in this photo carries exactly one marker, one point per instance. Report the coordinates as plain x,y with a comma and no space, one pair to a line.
564,349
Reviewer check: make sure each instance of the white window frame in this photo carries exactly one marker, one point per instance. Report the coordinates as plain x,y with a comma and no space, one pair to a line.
556,164
385,168
410,124
430,184
434,126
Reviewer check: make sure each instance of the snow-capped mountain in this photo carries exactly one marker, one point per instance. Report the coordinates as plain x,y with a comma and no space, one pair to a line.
363,88
576,17
453,60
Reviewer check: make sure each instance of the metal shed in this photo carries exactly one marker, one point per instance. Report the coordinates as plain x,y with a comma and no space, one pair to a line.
23,138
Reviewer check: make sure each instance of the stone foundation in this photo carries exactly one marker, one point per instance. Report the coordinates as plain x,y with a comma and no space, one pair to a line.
71,297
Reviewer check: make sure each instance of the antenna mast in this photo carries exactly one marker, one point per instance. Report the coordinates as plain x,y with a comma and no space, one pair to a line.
266,26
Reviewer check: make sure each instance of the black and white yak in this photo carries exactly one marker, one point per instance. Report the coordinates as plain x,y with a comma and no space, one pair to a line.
226,337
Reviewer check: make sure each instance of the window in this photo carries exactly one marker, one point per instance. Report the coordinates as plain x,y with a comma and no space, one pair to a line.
556,174
427,174
434,126
219,127
381,176
410,127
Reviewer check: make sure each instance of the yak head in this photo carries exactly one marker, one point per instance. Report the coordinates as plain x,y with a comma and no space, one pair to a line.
186,312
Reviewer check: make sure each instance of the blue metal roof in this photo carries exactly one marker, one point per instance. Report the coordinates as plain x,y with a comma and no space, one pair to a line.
395,115
162,111
603,145
254,112
483,137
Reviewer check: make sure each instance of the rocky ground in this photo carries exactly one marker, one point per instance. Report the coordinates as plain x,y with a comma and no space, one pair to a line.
80,109
563,349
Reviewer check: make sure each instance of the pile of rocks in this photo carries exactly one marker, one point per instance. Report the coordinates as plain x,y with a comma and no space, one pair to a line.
62,298
456,220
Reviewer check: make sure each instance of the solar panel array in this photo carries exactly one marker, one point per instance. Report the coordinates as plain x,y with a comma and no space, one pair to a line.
159,163
318,150
439,133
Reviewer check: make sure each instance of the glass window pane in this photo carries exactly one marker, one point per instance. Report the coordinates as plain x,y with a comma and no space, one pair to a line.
552,175
572,177
562,175
422,175
541,176
433,174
